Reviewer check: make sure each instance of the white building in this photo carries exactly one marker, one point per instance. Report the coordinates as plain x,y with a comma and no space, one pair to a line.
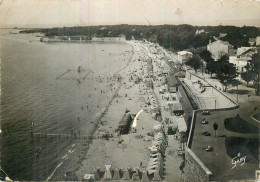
252,41
257,41
246,51
108,39
244,54
218,49
240,63
199,32
183,56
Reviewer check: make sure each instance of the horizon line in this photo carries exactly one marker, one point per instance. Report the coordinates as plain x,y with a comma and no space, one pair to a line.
68,26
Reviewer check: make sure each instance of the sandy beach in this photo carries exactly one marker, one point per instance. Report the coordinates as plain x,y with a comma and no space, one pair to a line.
130,150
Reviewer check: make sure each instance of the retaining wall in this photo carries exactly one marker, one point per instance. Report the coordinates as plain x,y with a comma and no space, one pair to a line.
195,169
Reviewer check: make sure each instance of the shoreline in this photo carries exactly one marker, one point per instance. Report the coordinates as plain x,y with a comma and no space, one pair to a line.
86,143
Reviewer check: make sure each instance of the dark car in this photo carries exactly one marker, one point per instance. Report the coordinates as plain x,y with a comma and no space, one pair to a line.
206,133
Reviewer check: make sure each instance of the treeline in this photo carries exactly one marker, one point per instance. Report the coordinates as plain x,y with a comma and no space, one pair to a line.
173,37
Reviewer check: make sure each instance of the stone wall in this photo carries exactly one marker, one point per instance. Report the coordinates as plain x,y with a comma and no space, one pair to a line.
194,169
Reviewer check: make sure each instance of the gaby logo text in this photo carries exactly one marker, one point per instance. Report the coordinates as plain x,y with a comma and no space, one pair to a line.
238,160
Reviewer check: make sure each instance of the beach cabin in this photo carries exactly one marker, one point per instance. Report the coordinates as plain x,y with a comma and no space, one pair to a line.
177,109
172,84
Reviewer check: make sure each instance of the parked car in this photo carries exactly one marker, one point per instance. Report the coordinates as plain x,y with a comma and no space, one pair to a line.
206,112
206,133
209,149
204,121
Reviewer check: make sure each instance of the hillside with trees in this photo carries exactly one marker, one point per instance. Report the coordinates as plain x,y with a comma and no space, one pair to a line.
172,37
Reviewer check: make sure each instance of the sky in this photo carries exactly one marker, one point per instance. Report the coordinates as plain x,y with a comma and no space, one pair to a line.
53,13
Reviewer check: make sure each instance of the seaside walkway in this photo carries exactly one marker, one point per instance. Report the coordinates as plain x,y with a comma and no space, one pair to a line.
205,95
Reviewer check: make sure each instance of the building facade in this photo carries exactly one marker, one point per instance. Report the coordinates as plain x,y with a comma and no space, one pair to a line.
183,56
218,49
244,54
257,41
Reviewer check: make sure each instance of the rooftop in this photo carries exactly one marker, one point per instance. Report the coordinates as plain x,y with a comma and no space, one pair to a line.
246,50
221,42
184,52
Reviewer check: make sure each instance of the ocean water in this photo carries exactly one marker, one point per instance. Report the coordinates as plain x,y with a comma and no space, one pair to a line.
38,88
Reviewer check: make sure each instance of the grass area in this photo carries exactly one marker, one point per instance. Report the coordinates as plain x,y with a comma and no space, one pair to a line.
256,116
237,124
248,147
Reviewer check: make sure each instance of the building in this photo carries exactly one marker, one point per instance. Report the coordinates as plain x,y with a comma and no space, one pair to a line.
199,32
240,63
221,35
108,39
252,41
183,56
244,54
218,48
257,41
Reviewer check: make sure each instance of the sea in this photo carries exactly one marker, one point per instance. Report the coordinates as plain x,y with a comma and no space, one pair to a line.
51,97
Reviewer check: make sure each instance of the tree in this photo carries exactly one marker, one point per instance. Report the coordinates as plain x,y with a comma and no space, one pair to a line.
247,76
211,66
255,109
225,72
205,55
194,62
210,63
215,127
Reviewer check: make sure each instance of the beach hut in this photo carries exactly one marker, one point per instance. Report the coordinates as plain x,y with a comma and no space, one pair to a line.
126,174
108,174
177,108
145,176
172,84
135,174
157,176
116,174
125,124
96,173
